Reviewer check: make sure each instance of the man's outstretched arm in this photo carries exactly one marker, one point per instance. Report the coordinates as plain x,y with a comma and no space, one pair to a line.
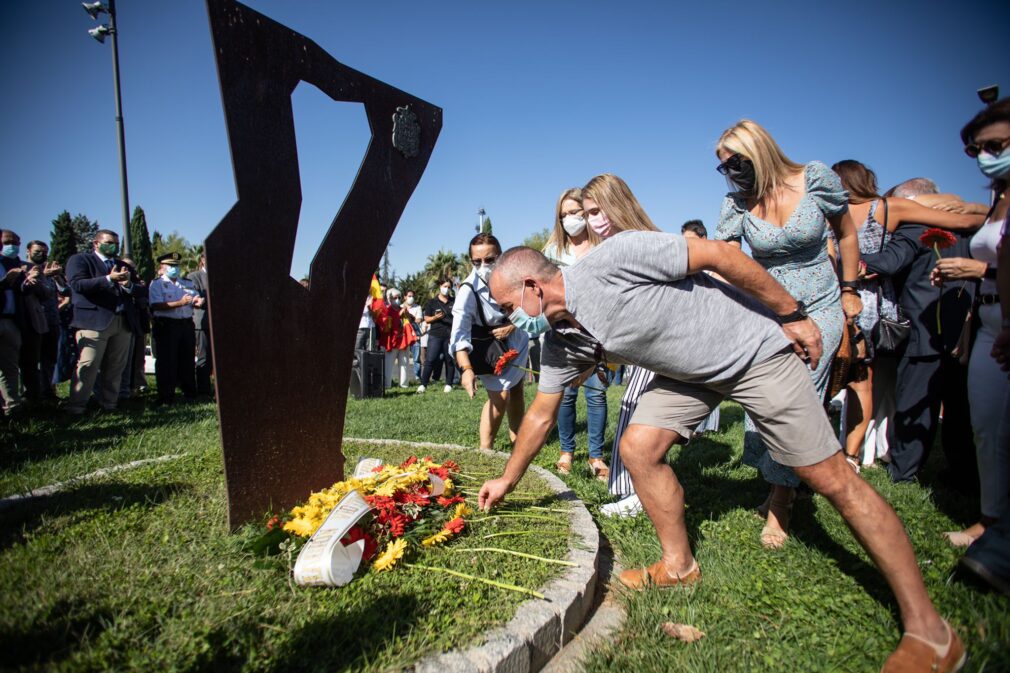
744,273
536,425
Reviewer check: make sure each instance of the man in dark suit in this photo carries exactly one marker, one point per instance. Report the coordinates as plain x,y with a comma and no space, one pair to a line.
928,375
14,277
105,318
201,320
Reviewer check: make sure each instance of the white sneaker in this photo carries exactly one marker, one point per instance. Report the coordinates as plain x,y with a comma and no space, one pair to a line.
447,389
629,506
421,389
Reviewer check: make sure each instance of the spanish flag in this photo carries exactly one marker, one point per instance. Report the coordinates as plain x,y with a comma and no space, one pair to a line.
375,291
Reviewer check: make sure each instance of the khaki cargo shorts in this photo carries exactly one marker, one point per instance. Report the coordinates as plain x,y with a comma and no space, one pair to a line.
777,394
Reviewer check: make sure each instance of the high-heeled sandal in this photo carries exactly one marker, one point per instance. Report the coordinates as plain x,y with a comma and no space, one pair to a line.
564,464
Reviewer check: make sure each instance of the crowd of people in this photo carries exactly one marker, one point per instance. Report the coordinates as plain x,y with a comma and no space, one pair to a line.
88,324
899,300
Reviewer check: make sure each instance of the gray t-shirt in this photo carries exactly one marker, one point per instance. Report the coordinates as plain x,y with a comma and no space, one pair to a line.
637,305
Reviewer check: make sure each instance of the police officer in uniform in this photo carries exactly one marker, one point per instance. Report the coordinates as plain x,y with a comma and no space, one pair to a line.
172,301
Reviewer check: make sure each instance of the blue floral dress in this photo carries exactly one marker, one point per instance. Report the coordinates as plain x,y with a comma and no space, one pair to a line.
796,255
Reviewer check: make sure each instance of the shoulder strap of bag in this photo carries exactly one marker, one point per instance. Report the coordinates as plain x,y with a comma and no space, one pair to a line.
883,238
480,304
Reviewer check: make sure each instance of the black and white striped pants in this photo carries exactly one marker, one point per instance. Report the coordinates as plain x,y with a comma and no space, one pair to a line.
620,480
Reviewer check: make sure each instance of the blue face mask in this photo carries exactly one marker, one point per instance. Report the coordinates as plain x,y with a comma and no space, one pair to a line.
995,167
11,251
172,272
534,326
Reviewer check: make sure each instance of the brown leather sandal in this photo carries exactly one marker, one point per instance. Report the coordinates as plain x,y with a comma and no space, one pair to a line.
658,575
564,464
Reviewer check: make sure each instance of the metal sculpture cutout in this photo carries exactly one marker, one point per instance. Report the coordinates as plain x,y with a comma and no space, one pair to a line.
282,353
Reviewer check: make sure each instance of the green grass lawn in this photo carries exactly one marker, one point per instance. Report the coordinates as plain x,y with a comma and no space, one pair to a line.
135,570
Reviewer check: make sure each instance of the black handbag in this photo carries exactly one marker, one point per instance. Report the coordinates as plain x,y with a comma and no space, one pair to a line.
486,350
888,334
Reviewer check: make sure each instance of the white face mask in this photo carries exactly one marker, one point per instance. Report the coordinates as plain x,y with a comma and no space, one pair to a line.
574,224
410,301
444,291
484,272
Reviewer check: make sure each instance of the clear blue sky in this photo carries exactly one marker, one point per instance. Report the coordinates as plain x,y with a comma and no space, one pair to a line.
537,96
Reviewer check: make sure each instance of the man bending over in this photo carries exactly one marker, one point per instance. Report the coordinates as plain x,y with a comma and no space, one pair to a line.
615,306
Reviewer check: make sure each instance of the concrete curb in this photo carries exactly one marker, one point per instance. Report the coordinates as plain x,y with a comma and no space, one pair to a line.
540,628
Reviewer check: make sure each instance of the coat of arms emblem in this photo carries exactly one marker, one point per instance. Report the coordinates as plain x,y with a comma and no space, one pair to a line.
406,132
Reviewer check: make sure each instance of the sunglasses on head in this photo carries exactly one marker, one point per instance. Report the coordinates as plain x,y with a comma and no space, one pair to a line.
992,147
731,164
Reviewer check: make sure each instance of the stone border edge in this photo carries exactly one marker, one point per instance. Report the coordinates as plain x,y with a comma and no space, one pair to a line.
539,628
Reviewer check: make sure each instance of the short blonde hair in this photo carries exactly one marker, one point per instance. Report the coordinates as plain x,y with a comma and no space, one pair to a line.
614,198
771,165
559,238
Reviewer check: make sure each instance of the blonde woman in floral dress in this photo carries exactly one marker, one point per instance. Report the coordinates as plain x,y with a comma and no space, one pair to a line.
784,210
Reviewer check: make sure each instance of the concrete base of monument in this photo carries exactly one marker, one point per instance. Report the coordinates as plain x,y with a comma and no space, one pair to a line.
551,634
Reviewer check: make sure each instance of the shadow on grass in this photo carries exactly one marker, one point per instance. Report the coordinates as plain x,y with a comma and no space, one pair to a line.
47,432
22,517
349,640
53,641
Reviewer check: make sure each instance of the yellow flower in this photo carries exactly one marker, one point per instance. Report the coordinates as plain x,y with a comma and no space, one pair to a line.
392,554
448,488
300,527
461,510
438,538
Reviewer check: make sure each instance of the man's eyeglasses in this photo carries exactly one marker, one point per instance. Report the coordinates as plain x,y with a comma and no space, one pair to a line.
992,147
731,164
486,261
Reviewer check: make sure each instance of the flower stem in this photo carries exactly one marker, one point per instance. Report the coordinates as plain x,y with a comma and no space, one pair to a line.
559,562
939,327
500,585
526,532
539,517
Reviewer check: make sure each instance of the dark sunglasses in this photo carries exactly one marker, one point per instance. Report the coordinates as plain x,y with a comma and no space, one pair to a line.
487,260
731,164
992,147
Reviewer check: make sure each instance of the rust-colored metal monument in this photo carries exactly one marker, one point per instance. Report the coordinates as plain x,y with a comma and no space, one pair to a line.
282,353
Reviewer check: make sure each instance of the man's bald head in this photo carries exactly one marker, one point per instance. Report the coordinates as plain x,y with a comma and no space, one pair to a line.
519,263
517,269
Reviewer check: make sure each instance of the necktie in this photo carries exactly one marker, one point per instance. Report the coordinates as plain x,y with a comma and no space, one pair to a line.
108,265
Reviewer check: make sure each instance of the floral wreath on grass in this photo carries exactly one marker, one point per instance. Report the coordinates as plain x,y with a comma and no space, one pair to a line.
411,507
409,510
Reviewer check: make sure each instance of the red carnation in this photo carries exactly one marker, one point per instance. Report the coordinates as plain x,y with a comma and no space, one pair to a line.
381,502
449,502
451,465
407,463
440,472
274,522
456,525
507,357
938,239
357,533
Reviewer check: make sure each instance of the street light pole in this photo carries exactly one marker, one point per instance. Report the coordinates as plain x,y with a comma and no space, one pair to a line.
121,137
94,9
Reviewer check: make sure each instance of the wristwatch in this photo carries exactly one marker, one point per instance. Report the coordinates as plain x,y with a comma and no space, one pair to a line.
799,314
853,284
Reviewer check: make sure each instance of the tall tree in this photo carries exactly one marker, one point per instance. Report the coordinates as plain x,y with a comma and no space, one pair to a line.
385,278
441,265
63,242
537,240
141,241
486,228
176,242
85,231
